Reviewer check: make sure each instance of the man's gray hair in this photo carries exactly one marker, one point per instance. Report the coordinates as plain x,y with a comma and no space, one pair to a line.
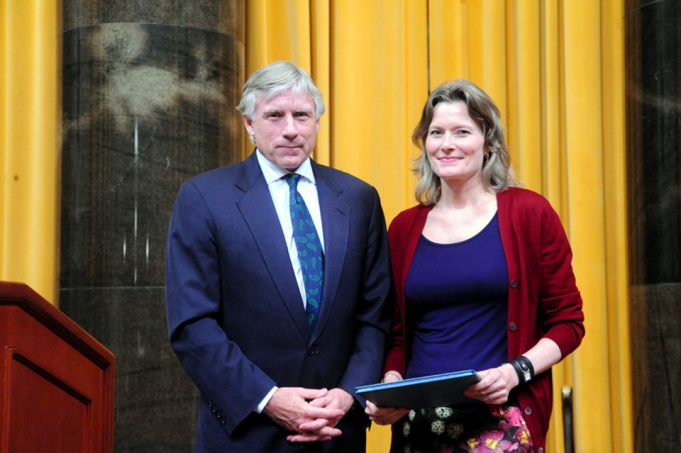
272,80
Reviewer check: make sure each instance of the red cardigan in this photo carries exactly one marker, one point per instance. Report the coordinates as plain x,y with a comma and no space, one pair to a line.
543,299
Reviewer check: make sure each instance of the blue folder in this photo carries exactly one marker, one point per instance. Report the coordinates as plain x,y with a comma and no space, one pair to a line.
427,391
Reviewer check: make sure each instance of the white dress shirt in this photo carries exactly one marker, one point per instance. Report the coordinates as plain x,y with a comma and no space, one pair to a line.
280,191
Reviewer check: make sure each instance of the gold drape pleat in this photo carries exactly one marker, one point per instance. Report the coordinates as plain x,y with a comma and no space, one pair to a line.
29,117
555,69
613,156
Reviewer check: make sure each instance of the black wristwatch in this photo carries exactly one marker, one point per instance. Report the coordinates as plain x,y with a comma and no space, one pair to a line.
523,367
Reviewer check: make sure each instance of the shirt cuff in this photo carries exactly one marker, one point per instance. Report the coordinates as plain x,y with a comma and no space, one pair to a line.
266,400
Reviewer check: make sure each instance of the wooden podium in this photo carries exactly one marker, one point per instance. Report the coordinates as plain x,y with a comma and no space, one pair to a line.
56,381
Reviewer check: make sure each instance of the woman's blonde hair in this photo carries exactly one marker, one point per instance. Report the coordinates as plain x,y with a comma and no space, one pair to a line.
497,174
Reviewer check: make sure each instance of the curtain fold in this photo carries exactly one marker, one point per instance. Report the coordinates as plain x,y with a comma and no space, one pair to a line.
379,84
29,118
585,220
615,212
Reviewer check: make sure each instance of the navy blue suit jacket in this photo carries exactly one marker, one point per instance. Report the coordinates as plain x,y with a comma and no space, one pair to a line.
235,315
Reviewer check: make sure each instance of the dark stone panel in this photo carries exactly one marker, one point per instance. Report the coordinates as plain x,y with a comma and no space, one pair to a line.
220,15
156,404
656,366
653,105
145,108
653,96
630,6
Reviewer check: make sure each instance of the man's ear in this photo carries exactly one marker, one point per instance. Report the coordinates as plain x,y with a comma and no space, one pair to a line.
248,123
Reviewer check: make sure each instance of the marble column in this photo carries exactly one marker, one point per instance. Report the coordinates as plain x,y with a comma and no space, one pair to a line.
653,94
149,95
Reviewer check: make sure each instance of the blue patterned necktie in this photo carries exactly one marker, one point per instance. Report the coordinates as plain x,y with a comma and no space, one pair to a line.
309,250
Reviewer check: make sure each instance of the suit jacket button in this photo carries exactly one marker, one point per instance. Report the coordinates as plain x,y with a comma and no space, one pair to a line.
514,283
312,351
513,327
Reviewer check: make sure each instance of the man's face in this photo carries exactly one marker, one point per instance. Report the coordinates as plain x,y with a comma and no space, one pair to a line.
285,129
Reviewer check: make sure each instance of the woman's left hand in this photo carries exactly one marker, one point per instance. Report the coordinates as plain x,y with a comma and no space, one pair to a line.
495,385
384,415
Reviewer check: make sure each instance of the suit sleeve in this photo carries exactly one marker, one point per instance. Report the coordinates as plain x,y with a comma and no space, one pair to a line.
232,385
372,318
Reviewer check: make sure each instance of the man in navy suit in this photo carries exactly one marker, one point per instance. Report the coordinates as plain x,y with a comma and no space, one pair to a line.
273,375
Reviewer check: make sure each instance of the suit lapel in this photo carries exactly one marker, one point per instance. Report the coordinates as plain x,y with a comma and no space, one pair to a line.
336,225
258,210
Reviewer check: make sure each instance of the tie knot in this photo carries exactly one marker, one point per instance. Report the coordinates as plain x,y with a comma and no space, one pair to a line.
292,180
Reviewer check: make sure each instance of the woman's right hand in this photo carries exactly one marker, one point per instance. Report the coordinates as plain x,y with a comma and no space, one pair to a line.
386,415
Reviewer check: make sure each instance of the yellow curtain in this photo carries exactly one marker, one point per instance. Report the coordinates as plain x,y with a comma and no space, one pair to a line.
555,69
29,117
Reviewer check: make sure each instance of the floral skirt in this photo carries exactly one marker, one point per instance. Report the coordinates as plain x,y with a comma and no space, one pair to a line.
495,429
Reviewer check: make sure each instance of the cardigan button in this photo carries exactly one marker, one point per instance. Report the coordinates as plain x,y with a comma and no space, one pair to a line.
528,411
513,327
540,450
514,283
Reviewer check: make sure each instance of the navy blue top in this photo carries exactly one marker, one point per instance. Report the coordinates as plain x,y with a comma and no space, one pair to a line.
458,296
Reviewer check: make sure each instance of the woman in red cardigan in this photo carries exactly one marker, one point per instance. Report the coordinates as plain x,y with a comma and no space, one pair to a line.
483,280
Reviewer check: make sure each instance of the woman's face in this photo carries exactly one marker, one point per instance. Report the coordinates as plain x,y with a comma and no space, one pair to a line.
455,143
